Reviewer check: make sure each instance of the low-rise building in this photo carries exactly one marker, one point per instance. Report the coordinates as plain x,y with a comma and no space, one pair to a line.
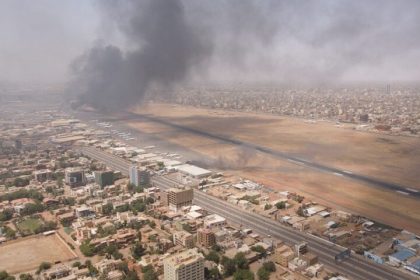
214,220
183,238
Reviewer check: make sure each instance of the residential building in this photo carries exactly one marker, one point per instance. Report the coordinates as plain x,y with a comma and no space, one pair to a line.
183,238
177,198
42,175
187,265
104,178
214,220
139,176
74,177
206,238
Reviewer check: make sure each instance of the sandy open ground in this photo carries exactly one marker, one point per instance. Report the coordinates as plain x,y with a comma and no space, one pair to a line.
389,158
28,253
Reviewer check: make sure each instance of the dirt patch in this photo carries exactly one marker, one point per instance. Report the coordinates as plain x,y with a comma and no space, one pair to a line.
26,254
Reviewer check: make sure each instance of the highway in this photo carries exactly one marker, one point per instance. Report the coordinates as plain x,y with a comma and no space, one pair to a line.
355,267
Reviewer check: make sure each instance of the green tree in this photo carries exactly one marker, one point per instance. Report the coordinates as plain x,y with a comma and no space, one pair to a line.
49,189
77,264
268,206
131,275
70,201
107,209
43,266
9,233
6,215
21,182
241,261
259,249
150,200
6,276
270,266
149,273
138,205
22,194
110,250
213,256
26,276
263,274
92,270
137,250
212,274
243,274
87,249
228,266
32,208
216,248
281,205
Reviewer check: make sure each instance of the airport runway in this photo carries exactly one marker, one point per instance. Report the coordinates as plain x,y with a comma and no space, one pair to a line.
356,267
397,188
370,181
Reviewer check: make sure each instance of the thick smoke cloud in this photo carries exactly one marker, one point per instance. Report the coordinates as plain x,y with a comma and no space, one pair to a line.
312,42
163,43
163,48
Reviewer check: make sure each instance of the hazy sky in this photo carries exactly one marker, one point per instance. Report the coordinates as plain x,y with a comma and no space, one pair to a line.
39,38
336,40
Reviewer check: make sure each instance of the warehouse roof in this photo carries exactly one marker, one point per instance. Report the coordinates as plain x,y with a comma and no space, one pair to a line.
403,255
193,170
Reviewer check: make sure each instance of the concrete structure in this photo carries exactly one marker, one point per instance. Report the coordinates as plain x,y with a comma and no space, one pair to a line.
139,176
214,220
184,239
301,248
177,198
84,212
283,255
187,265
206,238
193,171
104,178
74,177
42,175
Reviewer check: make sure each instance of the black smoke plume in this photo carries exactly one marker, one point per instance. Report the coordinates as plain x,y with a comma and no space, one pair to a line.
168,42
163,49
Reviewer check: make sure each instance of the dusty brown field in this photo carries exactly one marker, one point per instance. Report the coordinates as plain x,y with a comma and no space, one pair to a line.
389,158
28,253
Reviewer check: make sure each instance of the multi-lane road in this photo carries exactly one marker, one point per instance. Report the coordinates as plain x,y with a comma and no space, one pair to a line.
355,267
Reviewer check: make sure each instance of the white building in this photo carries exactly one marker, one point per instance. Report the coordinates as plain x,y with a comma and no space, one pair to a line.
139,176
214,220
193,171
187,265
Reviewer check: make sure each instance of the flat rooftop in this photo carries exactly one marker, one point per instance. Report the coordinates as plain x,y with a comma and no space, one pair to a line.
193,170
184,258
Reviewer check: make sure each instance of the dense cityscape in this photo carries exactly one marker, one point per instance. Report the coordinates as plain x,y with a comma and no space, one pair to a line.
209,140
89,205
386,109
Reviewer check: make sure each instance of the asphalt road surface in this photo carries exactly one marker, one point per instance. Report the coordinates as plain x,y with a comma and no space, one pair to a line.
356,267
400,189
